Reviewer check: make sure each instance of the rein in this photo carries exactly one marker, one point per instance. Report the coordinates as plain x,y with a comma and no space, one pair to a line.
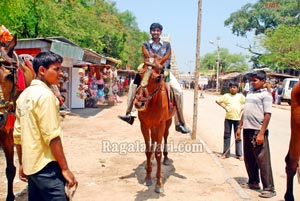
7,117
149,97
13,69
143,97
12,93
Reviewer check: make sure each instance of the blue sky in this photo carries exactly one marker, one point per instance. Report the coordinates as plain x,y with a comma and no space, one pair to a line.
179,19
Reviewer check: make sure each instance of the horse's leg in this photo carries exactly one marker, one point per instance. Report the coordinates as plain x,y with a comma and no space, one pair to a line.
158,132
8,148
166,160
290,169
148,152
292,157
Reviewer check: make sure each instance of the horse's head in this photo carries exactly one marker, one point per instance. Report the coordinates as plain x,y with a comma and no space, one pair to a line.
7,84
15,75
7,46
152,79
7,67
154,61
11,77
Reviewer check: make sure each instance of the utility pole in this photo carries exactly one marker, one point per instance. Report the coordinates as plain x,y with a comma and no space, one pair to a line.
217,61
196,75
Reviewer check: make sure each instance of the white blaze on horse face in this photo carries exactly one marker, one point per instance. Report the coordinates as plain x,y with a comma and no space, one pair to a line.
151,60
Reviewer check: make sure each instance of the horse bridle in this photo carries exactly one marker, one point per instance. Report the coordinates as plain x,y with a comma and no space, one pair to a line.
8,105
143,86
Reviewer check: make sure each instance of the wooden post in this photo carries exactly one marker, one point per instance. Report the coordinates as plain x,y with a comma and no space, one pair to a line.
195,113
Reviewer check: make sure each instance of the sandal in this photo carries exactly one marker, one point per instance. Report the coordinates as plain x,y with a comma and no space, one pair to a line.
267,194
250,186
240,158
224,157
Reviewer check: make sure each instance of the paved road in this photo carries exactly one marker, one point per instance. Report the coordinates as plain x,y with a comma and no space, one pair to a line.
211,118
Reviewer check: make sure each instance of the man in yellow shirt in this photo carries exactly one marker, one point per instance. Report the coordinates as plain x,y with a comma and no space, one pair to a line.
233,104
38,134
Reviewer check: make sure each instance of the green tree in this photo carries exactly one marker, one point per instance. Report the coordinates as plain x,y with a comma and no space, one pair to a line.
259,18
282,47
228,62
263,15
96,25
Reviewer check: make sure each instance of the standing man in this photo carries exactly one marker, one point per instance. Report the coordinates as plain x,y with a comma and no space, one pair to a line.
233,103
255,121
161,48
278,93
38,134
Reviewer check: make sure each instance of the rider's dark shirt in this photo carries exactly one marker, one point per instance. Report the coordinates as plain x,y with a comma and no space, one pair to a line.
161,48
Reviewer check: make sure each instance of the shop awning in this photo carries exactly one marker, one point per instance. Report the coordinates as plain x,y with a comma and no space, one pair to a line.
126,72
59,45
230,75
93,57
83,64
116,61
67,50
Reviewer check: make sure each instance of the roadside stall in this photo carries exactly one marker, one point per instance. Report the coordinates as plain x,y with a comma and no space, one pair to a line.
125,77
97,80
226,78
70,52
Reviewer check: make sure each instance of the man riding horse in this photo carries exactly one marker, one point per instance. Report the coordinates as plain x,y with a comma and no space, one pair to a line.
161,48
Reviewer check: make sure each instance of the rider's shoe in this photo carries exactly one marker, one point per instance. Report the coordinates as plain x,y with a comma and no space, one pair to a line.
181,128
127,118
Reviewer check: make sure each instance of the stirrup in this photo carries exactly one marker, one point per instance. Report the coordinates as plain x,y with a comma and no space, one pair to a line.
127,118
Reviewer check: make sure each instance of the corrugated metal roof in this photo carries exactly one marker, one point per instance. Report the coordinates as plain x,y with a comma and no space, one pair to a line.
50,39
59,45
230,75
93,57
116,61
67,50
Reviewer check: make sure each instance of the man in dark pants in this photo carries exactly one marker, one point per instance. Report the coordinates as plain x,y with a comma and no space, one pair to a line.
233,103
38,134
255,121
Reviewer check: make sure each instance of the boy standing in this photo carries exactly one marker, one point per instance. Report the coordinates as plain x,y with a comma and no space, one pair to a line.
255,121
37,134
233,104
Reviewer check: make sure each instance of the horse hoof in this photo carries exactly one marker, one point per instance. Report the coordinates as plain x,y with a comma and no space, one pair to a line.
10,198
167,161
289,197
148,182
158,189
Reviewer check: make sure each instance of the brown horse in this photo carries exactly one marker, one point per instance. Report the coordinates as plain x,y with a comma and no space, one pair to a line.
293,155
10,65
154,115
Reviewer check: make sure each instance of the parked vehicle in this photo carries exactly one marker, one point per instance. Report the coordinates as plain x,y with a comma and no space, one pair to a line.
288,84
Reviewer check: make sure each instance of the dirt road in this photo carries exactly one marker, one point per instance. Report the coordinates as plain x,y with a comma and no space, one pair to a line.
107,158
211,120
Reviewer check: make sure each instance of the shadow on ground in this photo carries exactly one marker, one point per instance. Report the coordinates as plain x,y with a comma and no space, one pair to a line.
140,173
